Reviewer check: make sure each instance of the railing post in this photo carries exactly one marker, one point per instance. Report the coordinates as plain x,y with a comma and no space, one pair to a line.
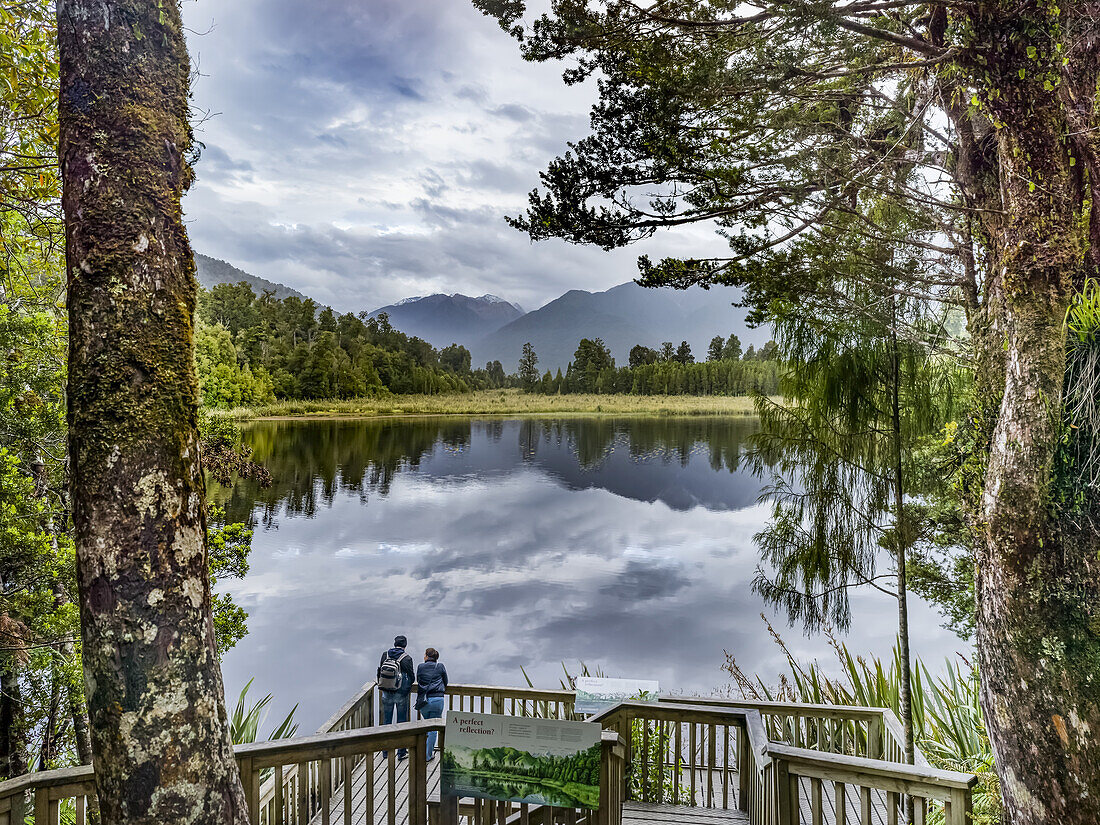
875,738
18,811
612,763
448,810
418,781
250,781
960,810
42,807
783,799
744,767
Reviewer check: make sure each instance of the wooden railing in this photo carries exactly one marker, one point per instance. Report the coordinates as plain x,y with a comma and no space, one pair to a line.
46,794
279,785
782,764
874,733
720,756
511,701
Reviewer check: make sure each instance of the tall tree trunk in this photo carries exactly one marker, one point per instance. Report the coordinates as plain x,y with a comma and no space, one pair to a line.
903,541
1038,581
160,735
78,711
901,537
13,728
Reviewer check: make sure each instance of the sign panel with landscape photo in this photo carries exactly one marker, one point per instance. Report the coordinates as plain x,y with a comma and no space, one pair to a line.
596,694
513,759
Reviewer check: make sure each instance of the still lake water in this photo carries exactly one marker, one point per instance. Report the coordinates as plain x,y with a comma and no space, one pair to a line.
509,544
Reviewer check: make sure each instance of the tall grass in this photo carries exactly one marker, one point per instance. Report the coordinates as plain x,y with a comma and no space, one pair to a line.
1082,386
500,402
244,724
947,717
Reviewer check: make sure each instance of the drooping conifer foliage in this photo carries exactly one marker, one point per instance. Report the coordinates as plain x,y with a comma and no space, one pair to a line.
786,125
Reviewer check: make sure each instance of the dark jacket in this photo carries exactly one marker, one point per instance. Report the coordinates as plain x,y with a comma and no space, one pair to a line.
431,678
407,675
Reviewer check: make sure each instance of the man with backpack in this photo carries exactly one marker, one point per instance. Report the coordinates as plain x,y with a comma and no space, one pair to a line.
395,680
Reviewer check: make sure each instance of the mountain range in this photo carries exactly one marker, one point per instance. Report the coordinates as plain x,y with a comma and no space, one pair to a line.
448,319
622,316
495,329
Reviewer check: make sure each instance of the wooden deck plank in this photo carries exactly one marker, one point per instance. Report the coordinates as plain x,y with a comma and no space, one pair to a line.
381,810
636,813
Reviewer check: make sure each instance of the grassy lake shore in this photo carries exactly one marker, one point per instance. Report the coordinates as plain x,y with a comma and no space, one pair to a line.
499,402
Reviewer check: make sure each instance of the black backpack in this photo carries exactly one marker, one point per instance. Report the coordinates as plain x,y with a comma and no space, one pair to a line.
389,675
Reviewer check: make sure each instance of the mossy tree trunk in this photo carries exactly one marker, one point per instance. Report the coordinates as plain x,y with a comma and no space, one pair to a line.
1038,576
160,736
13,727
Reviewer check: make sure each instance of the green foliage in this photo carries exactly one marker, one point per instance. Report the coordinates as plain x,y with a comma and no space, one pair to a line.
454,359
228,548
39,622
223,381
246,719
671,372
949,727
1078,469
683,354
29,180
252,350
528,367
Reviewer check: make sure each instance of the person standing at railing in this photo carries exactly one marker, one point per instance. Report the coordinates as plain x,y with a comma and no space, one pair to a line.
431,681
395,680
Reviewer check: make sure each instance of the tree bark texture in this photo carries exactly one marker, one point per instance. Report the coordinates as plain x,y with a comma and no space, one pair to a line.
1038,578
159,731
13,728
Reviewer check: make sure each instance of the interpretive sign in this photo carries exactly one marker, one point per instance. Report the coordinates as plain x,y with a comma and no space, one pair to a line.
515,759
594,694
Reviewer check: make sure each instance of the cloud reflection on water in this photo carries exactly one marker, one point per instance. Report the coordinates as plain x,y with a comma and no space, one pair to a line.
511,544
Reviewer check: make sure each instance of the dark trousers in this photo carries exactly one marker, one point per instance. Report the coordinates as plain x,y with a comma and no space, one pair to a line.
395,705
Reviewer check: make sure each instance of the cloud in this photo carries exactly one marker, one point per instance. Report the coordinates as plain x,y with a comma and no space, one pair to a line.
365,152
501,562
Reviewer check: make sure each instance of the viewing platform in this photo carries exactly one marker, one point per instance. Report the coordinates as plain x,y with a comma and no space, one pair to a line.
679,760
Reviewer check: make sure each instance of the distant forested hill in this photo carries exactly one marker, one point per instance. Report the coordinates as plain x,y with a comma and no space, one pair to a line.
211,271
622,316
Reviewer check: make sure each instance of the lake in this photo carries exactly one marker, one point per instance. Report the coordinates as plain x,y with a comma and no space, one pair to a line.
513,546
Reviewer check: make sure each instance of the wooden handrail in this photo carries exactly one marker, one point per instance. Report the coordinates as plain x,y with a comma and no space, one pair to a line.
47,779
334,745
881,721
788,708
307,772
937,783
334,721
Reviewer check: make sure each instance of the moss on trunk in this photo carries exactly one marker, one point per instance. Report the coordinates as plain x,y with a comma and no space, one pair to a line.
159,730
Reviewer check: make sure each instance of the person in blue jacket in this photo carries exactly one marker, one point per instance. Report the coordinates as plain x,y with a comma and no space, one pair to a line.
431,681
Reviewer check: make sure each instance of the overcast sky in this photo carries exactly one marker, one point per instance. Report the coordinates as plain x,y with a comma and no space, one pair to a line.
364,151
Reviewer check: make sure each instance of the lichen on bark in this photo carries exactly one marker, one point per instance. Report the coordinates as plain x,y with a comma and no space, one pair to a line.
160,734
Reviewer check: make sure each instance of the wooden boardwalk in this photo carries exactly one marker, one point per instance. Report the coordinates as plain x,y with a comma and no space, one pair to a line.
785,763
382,804
634,813
638,813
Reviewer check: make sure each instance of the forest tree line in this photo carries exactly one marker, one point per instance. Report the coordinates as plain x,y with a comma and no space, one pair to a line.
669,370
254,349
